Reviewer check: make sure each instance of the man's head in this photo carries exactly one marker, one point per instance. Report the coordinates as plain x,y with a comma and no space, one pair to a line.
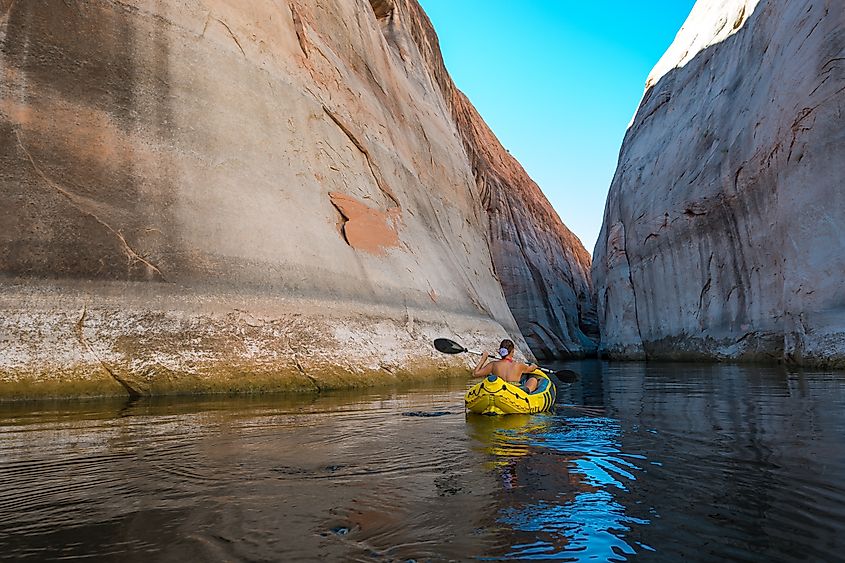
506,348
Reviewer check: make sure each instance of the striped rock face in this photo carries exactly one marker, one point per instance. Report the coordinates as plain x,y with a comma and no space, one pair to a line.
724,229
215,195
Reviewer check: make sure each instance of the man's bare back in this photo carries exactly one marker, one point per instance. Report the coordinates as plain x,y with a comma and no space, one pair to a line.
507,368
510,371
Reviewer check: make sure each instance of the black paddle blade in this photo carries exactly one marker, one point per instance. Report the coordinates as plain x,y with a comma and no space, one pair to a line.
567,375
448,346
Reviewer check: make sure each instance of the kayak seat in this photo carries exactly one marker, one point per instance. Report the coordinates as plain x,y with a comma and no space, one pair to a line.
542,386
544,383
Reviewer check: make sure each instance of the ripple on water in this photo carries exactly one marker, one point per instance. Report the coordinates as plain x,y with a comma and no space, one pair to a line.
656,462
576,516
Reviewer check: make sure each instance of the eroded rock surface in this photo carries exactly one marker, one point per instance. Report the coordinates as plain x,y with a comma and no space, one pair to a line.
543,267
724,230
214,195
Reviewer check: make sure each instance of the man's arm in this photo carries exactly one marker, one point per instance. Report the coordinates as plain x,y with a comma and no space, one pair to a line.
482,370
529,368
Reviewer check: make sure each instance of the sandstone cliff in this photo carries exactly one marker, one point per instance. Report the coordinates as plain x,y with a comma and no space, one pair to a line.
543,267
724,228
207,195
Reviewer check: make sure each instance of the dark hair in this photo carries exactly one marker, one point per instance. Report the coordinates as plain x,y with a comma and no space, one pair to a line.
507,344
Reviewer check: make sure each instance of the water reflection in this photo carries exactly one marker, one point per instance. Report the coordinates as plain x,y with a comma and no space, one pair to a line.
560,476
664,462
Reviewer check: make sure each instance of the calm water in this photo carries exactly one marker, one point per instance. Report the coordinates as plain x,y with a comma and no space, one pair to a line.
641,461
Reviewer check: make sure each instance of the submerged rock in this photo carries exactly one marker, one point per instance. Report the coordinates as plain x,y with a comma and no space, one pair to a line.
239,197
724,229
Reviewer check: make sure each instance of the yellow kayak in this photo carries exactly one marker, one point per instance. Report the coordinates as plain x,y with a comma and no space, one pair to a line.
494,395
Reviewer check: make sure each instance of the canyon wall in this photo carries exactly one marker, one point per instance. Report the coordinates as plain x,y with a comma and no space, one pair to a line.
203,195
724,230
543,267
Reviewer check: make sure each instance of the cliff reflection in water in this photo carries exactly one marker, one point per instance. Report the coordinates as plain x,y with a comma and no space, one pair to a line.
655,462
560,478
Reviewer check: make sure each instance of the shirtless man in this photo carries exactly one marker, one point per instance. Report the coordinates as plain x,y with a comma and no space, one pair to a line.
506,368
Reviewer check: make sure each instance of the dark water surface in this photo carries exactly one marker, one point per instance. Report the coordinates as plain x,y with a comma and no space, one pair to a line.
639,461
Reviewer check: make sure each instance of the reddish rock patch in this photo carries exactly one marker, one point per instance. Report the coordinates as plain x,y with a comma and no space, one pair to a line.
364,228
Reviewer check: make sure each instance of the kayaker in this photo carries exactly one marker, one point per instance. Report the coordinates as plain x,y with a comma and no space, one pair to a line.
507,368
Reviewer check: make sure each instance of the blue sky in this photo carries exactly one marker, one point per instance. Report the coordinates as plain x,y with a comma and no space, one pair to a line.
558,82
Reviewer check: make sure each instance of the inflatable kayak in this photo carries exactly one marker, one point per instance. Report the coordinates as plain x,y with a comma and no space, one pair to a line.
494,395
